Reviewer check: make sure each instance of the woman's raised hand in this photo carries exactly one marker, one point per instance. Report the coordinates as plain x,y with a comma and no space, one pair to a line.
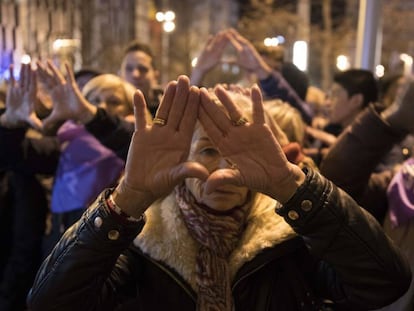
157,157
258,161
248,57
68,101
21,99
210,56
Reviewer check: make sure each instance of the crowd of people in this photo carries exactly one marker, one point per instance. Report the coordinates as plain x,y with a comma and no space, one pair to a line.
118,194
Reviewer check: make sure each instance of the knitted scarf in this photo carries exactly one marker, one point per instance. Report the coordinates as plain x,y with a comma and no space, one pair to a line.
217,234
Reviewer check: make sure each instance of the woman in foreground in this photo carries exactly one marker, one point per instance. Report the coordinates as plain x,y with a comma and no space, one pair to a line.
211,215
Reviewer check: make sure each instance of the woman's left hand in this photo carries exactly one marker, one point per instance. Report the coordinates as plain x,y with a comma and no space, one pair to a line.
259,161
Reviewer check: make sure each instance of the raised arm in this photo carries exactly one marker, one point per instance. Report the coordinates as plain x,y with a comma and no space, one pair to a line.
271,82
209,57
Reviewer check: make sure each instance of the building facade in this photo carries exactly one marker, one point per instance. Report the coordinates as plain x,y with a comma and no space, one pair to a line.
93,33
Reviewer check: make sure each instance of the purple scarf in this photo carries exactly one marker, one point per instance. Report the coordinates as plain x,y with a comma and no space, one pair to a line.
85,168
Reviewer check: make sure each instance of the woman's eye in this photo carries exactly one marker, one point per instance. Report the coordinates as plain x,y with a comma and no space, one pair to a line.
209,151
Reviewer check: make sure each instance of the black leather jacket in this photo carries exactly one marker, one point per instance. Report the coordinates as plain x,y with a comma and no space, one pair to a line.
340,254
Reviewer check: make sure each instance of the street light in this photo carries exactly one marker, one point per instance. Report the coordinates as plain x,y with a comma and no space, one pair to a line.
167,19
342,62
300,55
408,63
274,41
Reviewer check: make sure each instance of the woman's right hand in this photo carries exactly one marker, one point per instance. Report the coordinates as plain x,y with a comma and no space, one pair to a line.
157,157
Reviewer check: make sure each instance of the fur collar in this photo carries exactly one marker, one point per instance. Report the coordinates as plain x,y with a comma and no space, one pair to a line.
165,237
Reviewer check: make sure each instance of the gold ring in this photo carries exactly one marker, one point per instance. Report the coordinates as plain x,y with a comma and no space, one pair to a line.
241,121
158,121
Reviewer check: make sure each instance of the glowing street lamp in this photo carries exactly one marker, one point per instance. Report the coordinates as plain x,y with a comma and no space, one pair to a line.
167,19
342,63
274,41
300,55
408,63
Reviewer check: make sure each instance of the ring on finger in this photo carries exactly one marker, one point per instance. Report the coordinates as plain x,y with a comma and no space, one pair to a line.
241,121
159,121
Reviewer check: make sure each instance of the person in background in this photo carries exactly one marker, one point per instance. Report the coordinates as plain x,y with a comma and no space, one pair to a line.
352,91
138,68
272,83
103,119
210,215
23,204
351,162
83,157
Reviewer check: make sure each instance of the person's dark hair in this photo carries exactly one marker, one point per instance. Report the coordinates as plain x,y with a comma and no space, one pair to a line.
359,81
90,72
135,46
297,79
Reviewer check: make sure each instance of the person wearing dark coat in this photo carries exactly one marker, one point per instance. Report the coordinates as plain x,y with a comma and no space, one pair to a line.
210,215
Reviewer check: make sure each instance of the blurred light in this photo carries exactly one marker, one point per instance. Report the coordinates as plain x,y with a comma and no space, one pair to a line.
194,62
235,70
342,63
167,19
26,59
271,41
169,16
408,63
225,67
379,71
300,55
6,74
281,39
406,58
159,16
168,26
64,43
